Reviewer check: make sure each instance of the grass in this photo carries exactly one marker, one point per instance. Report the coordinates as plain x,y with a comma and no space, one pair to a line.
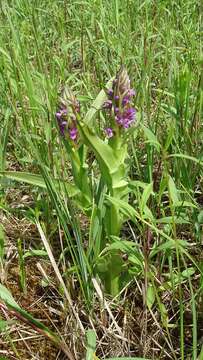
45,45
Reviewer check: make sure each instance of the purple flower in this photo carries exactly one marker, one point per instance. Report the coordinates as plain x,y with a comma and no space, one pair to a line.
119,119
131,92
62,126
120,99
130,114
125,100
107,104
77,106
62,120
126,118
61,113
68,114
109,132
73,133
110,93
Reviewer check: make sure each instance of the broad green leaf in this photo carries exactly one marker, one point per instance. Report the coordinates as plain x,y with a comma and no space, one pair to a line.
3,325
170,136
151,138
164,314
8,299
200,217
126,358
187,157
6,296
173,219
130,213
173,191
136,184
188,272
37,180
150,296
35,253
147,214
136,260
96,105
111,165
170,245
185,204
91,344
2,243
145,196
127,210
123,245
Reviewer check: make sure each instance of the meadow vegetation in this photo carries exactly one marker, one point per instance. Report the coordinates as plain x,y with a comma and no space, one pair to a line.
101,159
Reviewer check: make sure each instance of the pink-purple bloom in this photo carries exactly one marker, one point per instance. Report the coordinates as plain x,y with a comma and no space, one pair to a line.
73,133
67,115
126,118
107,104
109,132
119,102
61,119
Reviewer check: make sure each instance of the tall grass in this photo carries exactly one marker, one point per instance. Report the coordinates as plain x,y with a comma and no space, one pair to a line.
47,44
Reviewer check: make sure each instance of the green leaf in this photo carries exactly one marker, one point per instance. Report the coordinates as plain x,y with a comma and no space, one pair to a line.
170,245
91,344
37,180
151,138
2,243
188,272
150,297
173,219
111,164
173,191
3,325
127,247
145,196
35,253
188,157
6,296
8,299
96,105
136,184
126,358
164,314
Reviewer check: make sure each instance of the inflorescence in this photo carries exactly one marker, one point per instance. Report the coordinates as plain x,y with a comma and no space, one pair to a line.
119,103
67,116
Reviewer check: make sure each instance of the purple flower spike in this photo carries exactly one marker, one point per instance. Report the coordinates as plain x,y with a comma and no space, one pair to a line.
62,127
131,92
125,100
110,93
119,119
68,115
63,112
120,100
130,113
73,133
109,132
58,115
107,104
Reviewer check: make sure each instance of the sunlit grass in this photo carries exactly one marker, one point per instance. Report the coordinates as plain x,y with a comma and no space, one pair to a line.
45,45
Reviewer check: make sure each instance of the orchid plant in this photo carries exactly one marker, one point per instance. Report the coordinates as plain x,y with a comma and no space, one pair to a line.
110,151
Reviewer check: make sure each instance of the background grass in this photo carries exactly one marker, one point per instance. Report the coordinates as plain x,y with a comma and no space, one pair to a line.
47,44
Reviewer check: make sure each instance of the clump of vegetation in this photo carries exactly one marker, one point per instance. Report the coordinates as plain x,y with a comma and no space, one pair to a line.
101,185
